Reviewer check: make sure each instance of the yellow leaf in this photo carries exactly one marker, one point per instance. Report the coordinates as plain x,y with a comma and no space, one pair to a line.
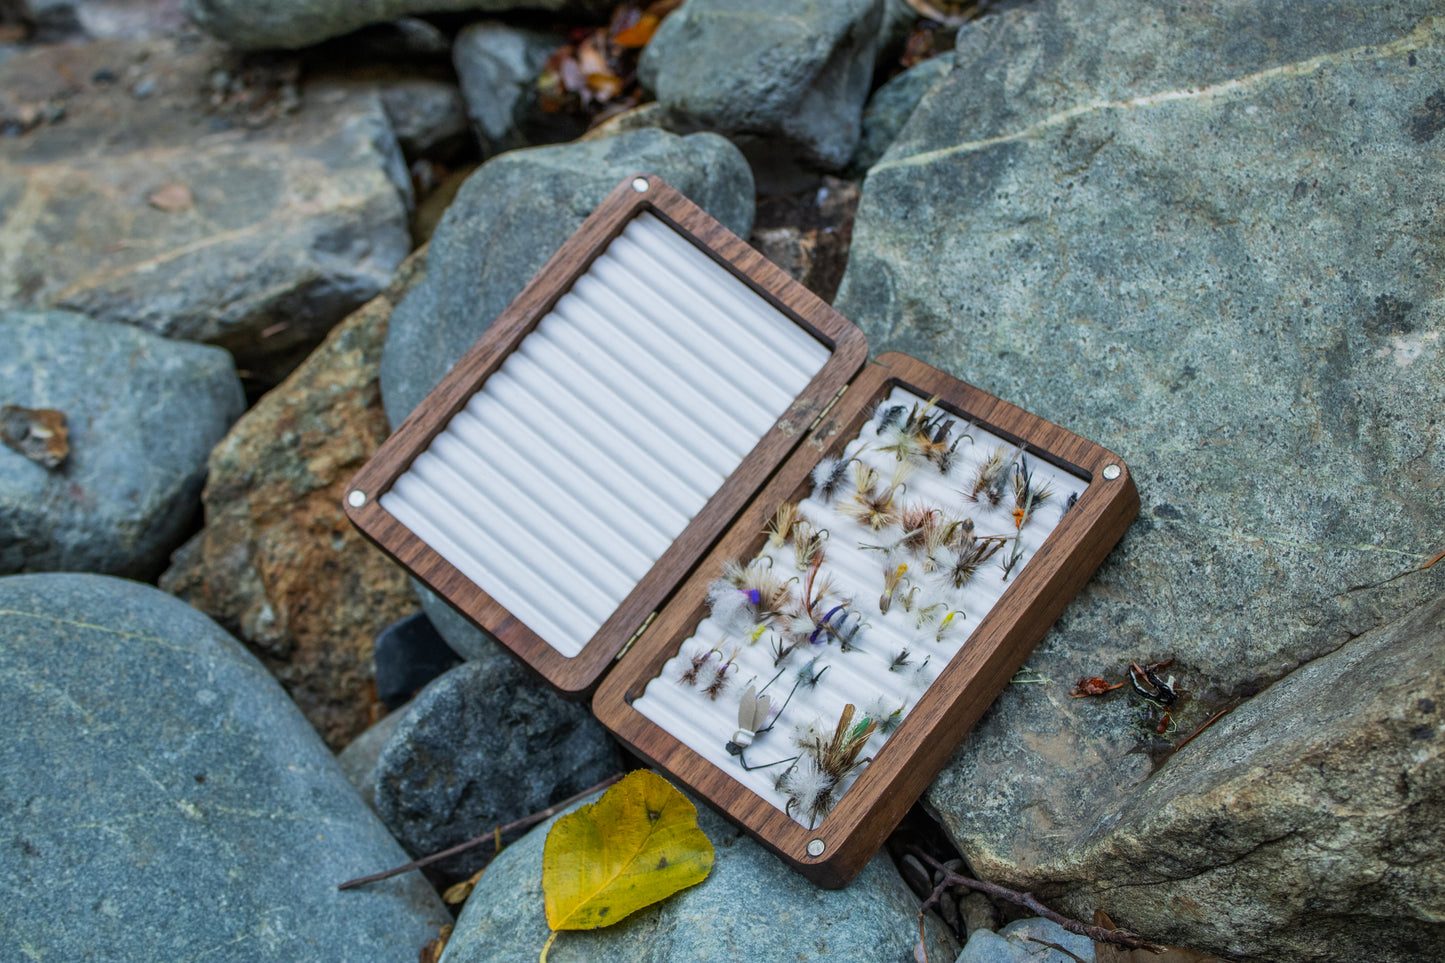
636,845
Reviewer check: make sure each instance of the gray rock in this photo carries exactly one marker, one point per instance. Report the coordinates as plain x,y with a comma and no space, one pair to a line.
1097,215
275,227
482,746
511,216
1023,941
1304,825
751,907
290,24
892,104
358,759
56,21
163,798
428,117
792,71
142,413
498,66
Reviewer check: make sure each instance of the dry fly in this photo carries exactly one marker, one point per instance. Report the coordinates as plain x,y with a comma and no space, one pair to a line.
780,529
807,543
1027,495
829,476
890,585
972,553
811,783
991,476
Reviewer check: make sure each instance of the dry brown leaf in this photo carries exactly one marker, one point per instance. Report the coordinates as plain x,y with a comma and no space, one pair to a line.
639,33
432,952
40,434
171,198
457,893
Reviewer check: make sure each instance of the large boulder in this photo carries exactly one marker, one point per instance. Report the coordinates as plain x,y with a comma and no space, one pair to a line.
163,195
1209,239
289,24
512,215
1308,824
164,799
277,563
751,907
141,415
482,746
793,72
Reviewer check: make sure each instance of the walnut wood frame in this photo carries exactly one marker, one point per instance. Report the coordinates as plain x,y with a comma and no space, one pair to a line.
577,676
885,788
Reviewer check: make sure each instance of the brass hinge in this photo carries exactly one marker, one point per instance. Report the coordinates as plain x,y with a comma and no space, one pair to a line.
824,413
640,629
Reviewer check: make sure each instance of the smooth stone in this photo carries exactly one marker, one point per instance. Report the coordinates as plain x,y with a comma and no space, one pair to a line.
892,104
1022,941
283,222
429,117
142,413
71,21
358,759
792,71
278,563
165,800
409,654
484,745
1096,215
498,65
751,907
291,24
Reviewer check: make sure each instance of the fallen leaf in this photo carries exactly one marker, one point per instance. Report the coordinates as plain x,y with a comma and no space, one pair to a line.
432,952
457,893
639,33
171,198
636,845
40,434
1093,686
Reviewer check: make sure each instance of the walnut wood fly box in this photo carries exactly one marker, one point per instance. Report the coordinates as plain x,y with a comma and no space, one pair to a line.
664,477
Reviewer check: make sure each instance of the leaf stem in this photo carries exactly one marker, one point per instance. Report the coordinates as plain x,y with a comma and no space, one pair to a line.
547,946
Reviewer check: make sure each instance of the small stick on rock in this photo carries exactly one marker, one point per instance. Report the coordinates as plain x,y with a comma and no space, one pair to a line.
1096,933
1207,723
496,834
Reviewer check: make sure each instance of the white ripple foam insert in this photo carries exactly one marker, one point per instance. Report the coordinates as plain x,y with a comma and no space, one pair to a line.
865,676
585,455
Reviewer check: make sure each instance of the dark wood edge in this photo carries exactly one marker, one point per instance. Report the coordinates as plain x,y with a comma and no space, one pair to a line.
576,676
920,747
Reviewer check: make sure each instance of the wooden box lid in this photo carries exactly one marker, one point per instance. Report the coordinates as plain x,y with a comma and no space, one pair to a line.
589,416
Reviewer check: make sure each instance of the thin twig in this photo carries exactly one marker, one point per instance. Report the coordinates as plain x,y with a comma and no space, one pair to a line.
1433,561
496,835
1055,946
1096,933
1207,723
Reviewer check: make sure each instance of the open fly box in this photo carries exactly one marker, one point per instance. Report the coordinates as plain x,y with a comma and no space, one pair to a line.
664,477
